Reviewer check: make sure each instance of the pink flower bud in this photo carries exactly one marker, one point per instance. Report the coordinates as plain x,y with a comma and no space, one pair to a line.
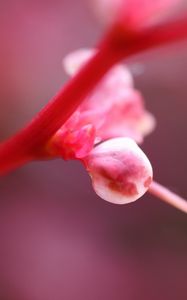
73,61
120,171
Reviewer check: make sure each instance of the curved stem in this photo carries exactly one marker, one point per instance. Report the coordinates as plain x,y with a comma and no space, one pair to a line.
120,42
30,142
167,196
126,41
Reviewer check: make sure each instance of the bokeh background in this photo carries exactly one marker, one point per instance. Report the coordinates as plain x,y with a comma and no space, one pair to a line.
58,240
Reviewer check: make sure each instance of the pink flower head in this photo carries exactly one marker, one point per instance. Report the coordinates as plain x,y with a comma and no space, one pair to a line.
102,134
113,109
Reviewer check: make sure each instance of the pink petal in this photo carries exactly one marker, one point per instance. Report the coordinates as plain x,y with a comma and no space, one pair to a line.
72,143
127,117
76,59
114,108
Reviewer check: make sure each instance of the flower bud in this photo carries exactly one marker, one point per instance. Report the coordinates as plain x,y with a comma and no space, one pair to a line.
120,171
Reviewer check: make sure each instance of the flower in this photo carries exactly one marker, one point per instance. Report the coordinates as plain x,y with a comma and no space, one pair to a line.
102,134
69,128
113,109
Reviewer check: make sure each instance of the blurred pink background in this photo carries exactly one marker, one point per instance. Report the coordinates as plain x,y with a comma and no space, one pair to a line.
58,240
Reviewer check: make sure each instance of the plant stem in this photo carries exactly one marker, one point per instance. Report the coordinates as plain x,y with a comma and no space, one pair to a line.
126,41
30,143
167,196
119,43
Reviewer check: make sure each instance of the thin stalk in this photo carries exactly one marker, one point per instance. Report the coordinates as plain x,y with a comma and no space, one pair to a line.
167,196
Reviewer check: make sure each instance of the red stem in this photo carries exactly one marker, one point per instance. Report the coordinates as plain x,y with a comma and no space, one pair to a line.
126,42
30,143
